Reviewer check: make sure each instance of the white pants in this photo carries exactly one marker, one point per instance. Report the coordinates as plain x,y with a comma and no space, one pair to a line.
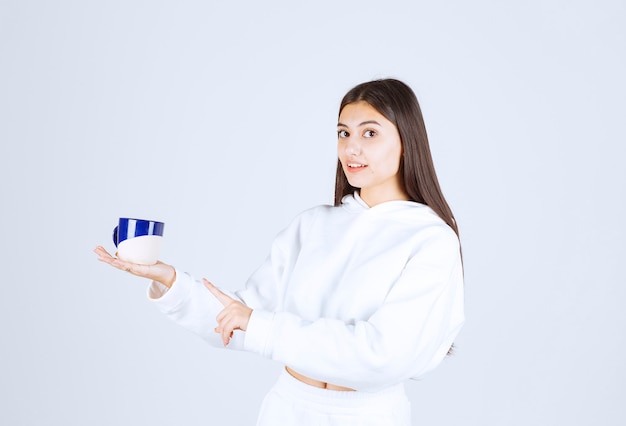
293,403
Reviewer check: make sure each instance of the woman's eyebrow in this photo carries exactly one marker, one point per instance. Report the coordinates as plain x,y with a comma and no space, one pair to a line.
361,124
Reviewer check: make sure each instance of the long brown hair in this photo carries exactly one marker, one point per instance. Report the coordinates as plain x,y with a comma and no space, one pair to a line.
398,104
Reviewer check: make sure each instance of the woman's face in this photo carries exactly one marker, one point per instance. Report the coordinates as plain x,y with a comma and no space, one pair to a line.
369,149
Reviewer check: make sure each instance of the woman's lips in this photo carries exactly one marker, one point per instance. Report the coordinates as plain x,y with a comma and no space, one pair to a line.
356,167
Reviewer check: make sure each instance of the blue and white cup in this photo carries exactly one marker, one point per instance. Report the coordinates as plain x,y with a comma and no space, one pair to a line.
138,240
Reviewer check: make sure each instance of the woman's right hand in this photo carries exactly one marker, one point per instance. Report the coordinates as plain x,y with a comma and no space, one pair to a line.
161,272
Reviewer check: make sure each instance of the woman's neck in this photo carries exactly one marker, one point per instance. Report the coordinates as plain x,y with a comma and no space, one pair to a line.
372,197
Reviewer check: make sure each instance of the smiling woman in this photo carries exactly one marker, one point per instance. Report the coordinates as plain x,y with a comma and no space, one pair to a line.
353,299
396,103
369,151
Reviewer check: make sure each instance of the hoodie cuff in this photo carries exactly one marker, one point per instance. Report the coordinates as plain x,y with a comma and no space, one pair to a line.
258,332
168,299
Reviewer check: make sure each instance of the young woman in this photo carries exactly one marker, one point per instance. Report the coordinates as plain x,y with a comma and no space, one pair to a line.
354,298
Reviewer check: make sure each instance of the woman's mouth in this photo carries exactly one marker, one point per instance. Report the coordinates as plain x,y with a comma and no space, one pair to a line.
356,167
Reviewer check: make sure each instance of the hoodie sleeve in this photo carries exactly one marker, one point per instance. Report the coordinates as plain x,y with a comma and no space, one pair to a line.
191,305
406,337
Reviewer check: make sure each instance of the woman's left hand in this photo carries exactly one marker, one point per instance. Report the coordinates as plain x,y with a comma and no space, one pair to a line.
234,316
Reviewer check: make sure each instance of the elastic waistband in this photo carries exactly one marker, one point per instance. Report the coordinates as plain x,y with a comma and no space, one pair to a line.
294,388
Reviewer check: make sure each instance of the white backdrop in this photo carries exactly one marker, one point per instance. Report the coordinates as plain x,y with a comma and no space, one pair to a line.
219,119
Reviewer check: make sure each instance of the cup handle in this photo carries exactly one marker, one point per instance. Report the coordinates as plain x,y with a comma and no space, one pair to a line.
115,236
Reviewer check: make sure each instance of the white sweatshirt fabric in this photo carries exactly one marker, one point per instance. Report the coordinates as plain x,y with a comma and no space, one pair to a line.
351,295
291,402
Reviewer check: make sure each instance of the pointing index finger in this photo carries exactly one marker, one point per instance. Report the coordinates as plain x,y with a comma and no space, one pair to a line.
219,295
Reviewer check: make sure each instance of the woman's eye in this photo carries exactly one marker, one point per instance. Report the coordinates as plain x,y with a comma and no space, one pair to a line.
369,133
342,133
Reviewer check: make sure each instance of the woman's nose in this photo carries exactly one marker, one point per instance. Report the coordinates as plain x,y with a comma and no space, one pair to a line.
353,148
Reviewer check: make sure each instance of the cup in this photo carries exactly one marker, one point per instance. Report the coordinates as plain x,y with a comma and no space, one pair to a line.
138,240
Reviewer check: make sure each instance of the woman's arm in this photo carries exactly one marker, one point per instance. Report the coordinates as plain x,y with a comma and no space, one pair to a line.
191,305
184,300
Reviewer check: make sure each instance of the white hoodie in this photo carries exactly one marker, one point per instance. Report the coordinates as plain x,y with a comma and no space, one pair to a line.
354,296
